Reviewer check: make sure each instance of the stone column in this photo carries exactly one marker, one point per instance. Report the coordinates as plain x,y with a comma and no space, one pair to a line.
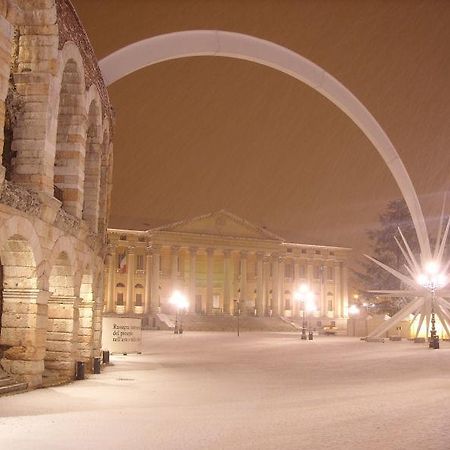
275,285
259,285
86,331
111,262
266,284
243,280
62,337
192,277
281,285
227,282
148,280
344,289
174,255
323,299
33,165
296,285
130,280
154,304
337,290
209,280
24,333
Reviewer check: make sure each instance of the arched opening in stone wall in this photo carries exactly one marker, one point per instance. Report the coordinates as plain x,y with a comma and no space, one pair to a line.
21,315
86,314
70,141
62,327
91,187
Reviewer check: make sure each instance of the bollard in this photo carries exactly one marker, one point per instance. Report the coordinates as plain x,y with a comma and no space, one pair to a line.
96,365
310,336
79,370
105,354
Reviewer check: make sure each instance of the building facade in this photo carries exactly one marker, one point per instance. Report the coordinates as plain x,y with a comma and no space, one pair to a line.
55,186
219,259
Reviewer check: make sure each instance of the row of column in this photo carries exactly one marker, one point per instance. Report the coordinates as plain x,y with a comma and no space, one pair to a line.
269,290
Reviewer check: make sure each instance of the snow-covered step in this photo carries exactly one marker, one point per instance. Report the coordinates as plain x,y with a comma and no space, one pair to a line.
9,386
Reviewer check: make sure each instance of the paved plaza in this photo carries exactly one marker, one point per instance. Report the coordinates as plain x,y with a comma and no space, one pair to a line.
258,391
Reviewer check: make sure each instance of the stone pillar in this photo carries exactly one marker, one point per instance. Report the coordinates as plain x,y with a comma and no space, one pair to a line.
281,285
97,330
266,283
86,331
296,286
275,285
243,280
156,252
174,255
62,338
337,290
259,285
323,299
148,281
192,277
111,263
344,290
227,305
37,60
209,280
23,333
130,280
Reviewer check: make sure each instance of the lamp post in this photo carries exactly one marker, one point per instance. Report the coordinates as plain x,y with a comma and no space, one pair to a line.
305,295
432,280
238,309
179,300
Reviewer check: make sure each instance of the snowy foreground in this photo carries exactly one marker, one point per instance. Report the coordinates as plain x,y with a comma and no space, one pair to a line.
259,391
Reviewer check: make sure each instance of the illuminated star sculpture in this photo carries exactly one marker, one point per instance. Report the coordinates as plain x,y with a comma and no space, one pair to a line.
424,286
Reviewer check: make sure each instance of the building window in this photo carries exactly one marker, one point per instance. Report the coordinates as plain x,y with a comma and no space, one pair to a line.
331,253
317,252
287,299
330,305
317,272
178,264
302,271
289,270
289,250
330,273
216,301
138,300
141,239
303,251
139,262
119,300
123,237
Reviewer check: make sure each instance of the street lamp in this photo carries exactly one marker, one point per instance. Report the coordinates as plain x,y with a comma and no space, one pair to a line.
179,300
306,296
432,279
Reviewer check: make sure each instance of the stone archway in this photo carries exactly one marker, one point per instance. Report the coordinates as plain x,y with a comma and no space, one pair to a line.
236,45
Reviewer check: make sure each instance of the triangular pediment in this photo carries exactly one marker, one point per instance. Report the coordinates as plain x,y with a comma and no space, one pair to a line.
221,223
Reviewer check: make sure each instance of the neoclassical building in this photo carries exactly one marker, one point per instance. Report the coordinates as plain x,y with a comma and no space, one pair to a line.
55,185
215,260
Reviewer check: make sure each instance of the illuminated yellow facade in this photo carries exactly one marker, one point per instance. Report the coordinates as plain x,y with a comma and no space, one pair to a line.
216,260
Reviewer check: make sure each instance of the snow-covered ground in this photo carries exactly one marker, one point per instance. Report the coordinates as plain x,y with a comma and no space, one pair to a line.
259,391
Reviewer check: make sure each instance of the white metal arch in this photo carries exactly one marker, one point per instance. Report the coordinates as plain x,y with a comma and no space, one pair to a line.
235,45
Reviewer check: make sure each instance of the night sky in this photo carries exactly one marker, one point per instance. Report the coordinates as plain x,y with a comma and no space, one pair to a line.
200,134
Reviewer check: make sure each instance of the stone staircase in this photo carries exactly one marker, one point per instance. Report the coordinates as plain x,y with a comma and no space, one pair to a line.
10,386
